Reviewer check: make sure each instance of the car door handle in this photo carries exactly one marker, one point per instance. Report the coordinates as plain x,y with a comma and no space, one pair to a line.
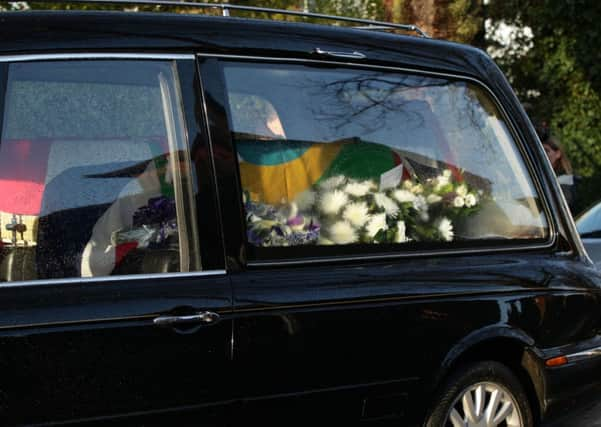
202,318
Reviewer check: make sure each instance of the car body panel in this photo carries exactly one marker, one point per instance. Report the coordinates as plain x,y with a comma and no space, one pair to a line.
356,326
76,344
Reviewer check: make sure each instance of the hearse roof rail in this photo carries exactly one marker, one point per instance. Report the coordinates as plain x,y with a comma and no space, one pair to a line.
225,8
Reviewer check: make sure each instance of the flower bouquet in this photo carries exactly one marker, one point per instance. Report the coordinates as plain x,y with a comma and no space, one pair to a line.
152,225
341,210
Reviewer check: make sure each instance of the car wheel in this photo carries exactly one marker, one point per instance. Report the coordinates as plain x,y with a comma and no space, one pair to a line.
484,394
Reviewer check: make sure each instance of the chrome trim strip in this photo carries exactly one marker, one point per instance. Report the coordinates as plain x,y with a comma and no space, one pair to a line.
120,278
390,300
519,143
64,323
407,254
74,56
172,115
584,355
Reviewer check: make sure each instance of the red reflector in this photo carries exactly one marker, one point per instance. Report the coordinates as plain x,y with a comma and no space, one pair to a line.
557,361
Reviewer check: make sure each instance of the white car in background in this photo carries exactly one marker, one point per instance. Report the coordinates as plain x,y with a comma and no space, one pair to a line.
589,228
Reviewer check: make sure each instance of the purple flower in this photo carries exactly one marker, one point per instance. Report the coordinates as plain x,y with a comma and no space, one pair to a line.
157,210
297,220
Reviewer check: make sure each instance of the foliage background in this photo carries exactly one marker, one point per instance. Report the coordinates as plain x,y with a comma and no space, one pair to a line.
548,48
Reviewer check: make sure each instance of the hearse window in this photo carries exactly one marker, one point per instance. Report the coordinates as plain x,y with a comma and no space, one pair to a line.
358,157
93,171
347,157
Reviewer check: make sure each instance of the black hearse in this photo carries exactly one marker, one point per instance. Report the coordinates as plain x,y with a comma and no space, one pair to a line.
212,219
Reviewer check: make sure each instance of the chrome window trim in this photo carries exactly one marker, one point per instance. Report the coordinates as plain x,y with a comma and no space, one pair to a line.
174,125
75,56
400,255
517,140
119,278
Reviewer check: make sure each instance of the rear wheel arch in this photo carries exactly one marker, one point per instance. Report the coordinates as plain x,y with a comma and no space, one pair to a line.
514,350
481,392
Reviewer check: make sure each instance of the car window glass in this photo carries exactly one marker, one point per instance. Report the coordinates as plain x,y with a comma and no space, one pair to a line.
93,171
590,221
368,157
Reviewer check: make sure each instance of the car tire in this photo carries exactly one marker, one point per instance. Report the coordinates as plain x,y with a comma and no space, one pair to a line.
468,399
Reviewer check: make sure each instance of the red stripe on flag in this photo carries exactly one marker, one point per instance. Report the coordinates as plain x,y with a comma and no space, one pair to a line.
123,249
23,166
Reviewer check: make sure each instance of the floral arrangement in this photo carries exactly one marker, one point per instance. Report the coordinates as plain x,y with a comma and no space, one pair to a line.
341,210
152,225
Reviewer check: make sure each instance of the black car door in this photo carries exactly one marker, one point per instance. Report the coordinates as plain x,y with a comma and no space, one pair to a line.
371,204
113,297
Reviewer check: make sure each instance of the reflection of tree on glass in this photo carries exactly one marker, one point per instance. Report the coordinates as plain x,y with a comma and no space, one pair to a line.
355,156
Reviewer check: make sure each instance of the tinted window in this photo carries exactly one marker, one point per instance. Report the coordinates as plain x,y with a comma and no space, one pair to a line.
93,171
347,156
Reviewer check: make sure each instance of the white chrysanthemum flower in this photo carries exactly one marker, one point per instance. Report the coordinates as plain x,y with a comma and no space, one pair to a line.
306,200
433,198
358,189
403,196
407,185
376,223
417,189
332,201
458,202
470,200
342,233
386,203
445,228
356,213
420,204
462,190
441,181
400,235
332,182
446,173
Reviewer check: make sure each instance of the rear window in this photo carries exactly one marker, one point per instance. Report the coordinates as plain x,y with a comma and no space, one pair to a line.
359,158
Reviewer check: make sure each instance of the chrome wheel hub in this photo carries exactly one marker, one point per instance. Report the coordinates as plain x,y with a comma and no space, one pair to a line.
485,404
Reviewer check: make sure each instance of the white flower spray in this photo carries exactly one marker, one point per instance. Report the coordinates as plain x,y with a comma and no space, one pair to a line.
332,201
375,224
357,213
358,189
403,196
342,233
386,203
445,228
401,230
